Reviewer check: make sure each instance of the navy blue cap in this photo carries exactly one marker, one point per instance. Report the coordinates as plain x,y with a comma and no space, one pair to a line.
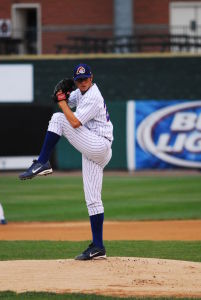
82,71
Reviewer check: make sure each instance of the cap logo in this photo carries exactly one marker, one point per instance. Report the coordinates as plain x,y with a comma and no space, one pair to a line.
80,70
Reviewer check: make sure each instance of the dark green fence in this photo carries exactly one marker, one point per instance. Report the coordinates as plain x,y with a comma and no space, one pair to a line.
119,79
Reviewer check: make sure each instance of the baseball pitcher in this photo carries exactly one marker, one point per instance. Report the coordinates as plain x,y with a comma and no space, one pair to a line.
90,131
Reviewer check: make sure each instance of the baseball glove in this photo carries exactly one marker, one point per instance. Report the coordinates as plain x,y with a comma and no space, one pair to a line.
63,89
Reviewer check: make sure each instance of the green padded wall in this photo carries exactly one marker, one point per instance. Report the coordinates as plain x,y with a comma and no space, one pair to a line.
123,79
120,79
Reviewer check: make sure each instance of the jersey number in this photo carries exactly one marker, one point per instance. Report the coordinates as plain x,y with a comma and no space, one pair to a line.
107,113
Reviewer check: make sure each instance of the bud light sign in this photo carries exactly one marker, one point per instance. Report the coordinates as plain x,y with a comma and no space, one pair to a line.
168,134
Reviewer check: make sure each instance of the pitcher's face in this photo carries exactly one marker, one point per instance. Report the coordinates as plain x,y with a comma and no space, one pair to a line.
83,84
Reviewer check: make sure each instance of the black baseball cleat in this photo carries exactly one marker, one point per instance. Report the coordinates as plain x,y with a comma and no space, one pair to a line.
92,252
36,169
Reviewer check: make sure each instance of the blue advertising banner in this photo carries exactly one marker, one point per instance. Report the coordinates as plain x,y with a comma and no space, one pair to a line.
167,134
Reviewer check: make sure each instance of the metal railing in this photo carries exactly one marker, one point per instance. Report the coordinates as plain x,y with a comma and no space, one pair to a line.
101,39
130,44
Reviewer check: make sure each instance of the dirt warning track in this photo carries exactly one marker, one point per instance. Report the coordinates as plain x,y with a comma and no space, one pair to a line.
79,231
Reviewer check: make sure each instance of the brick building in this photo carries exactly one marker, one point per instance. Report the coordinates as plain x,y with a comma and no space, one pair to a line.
40,27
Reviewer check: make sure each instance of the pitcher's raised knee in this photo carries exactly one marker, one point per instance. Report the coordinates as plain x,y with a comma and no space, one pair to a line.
56,123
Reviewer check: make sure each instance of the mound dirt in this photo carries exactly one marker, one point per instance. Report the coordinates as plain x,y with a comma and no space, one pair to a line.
122,276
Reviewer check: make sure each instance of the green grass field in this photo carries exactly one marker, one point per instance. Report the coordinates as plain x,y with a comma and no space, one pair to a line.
179,250
52,296
125,198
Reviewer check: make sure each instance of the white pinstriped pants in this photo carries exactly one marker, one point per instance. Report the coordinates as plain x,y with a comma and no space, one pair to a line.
96,153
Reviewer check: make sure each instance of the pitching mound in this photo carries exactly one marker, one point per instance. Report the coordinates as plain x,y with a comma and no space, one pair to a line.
122,276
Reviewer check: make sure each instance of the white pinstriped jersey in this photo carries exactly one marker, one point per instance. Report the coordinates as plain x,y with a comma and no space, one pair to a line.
92,112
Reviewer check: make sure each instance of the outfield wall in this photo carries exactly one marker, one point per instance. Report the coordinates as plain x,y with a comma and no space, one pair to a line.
120,78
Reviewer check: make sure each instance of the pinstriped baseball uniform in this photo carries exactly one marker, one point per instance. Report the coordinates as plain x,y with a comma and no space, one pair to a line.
93,139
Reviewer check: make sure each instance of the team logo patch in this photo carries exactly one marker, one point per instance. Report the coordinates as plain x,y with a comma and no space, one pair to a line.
80,70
